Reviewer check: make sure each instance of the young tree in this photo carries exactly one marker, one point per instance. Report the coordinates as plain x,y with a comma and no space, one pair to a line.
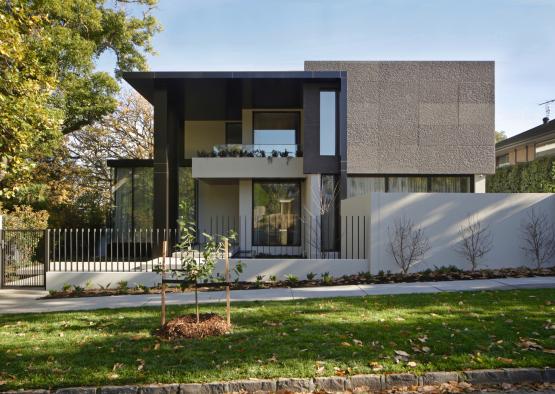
538,235
196,266
476,241
407,243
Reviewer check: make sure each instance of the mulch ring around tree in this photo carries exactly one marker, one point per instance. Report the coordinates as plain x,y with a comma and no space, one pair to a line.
186,326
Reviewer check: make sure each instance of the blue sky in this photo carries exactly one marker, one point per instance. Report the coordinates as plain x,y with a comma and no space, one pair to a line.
519,35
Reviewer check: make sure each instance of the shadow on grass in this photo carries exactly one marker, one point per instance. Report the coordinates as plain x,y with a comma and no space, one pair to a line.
271,339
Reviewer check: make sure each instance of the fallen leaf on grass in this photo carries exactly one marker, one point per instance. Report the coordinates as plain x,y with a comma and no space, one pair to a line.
117,366
529,345
345,344
375,366
505,360
550,351
141,364
357,342
411,364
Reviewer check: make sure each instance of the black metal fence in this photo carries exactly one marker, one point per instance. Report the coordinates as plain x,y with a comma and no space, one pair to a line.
22,258
27,253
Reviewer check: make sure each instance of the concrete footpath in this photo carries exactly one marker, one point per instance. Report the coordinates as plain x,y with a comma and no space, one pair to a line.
26,301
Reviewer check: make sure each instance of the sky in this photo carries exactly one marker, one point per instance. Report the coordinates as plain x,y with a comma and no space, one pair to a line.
233,35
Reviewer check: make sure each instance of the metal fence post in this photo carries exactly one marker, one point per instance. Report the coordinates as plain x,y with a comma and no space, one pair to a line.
46,259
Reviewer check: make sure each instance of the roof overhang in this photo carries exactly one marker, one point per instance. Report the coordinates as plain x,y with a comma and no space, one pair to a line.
143,82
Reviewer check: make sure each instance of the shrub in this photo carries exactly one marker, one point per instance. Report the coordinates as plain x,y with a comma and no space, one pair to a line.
273,278
536,176
122,286
291,278
78,289
327,278
310,276
66,288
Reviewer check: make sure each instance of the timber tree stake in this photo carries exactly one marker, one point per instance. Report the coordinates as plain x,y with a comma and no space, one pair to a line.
163,292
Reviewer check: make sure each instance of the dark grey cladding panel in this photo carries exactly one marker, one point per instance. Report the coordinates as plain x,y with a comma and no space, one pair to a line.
313,163
418,117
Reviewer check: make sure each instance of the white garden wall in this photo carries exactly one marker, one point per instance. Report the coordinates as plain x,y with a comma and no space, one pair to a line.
442,214
252,268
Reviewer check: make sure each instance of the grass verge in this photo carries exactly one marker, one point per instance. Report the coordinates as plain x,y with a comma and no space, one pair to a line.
444,331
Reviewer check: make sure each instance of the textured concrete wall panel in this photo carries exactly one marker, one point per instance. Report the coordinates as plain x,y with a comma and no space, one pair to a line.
418,117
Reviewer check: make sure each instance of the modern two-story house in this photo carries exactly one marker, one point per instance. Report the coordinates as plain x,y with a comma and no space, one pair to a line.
259,151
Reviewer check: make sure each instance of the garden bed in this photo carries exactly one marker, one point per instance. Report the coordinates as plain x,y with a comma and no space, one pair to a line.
440,274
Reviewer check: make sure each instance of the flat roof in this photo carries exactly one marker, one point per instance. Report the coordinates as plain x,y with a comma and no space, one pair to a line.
143,81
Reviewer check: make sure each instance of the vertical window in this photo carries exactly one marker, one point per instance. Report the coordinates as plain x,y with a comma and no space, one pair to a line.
143,197
187,194
328,123
233,133
276,209
329,201
122,191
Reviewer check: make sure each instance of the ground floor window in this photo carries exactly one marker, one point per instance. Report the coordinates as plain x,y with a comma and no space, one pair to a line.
133,197
329,212
187,190
132,193
363,185
276,213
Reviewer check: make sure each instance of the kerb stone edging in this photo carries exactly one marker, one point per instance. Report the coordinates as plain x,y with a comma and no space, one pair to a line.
327,384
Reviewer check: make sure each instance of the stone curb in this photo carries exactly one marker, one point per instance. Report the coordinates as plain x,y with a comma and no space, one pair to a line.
322,384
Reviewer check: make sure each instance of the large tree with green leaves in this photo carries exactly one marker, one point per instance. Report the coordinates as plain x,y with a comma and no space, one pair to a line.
50,86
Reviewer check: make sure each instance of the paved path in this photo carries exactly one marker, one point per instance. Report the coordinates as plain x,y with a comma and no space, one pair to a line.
19,301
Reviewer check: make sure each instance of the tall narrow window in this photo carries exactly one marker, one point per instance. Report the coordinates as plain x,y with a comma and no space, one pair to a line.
328,123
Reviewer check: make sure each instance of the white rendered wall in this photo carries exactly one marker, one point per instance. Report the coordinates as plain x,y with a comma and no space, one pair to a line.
245,213
479,183
441,215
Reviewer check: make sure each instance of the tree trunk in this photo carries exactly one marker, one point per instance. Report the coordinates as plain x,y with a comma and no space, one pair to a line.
196,303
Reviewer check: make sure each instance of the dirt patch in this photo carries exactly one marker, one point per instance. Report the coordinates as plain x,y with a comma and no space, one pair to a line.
186,326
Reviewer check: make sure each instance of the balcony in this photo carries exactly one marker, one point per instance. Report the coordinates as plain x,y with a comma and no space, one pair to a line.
249,161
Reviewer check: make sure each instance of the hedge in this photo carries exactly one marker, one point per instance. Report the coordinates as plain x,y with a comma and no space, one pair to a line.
536,176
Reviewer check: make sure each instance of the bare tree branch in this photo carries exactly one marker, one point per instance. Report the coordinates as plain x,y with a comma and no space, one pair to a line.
476,241
538,235
407,244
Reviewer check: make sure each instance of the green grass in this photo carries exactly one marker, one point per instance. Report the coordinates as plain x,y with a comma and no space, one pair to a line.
272,339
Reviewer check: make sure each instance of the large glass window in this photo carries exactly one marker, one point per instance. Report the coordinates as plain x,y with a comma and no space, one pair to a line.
329,204
450,184
503,160
122,192
132,194
408,184
187,194
276,130
276,213
328,122
142,197
360,186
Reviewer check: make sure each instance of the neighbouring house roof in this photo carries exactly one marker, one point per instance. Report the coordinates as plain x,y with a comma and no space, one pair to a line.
535,134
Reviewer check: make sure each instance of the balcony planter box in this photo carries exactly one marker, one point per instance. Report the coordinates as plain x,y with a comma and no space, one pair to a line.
248,167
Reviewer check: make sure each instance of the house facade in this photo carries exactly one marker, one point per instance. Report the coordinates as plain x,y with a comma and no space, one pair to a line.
259,152
537,142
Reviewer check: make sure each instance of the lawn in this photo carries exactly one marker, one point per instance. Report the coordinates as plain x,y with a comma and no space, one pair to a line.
445,331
